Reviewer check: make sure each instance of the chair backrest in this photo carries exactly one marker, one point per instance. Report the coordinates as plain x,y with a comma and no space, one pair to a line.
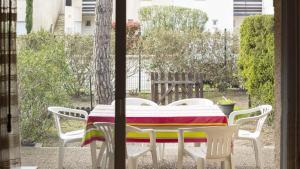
192,101
219,140
138,102
68,113
108,131
264,110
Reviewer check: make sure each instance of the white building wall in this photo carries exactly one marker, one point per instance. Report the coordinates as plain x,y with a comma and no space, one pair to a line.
267,7
132,8
21,14
45,14
88,29
73,17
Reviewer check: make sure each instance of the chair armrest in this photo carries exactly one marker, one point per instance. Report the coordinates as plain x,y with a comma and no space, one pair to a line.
248,119
235,113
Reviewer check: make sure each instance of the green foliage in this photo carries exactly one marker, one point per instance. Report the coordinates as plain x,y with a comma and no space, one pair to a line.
79,52
132,38
256,61
193,51
43,73
172,18
28,17
174,40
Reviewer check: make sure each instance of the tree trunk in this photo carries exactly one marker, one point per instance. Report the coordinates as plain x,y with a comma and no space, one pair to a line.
101,62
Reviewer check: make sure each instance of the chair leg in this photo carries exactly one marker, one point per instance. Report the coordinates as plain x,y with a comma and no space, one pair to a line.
222,164
154,158
61,151
200,163
101,155
111,161
180,158
104,160
257,149
232,162
132,163
227,163
93,148
161,150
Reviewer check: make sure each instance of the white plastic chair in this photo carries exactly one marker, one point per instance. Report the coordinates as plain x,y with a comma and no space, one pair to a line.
144,102
248,135
138,102
192,101
218,146
133,151
67,137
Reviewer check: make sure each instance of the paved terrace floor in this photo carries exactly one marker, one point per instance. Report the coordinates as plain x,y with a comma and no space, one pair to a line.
79,158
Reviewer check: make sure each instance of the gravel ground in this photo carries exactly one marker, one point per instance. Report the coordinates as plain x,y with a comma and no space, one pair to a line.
79,158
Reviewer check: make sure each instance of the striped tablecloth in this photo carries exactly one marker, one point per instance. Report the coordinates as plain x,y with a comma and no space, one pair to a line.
165,119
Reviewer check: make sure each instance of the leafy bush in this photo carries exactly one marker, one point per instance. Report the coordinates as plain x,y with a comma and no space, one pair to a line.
174,40
79,51
174,51
172,18
43,73
256,60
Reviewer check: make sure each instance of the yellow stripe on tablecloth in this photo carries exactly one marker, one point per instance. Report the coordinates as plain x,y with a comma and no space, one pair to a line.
92,133
159,135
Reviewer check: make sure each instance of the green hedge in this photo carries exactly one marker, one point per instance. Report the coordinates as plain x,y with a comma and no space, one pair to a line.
256,60
43,73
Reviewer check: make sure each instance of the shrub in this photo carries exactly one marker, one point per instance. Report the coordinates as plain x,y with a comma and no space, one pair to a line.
174,51
256,60
42,75
172,18
175,40
79,52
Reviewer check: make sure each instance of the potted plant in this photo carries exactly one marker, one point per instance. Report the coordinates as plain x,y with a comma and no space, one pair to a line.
226,105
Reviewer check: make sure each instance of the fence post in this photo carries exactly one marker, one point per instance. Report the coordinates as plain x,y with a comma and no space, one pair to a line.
170,81
197,85
190,85
183,89
156,96
201,86
162,88
176,86
152,86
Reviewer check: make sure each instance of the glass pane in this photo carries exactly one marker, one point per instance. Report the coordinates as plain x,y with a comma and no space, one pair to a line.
66,70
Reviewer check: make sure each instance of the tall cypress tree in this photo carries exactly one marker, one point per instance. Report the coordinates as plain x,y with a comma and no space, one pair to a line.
28,18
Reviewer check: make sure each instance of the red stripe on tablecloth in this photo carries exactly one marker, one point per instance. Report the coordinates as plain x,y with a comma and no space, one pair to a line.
86,142
161,120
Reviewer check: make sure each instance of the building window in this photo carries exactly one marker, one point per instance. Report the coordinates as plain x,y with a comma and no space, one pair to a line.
215,22
88,23
68,2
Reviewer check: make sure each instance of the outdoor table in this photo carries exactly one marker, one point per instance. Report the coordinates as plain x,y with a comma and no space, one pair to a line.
165,119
